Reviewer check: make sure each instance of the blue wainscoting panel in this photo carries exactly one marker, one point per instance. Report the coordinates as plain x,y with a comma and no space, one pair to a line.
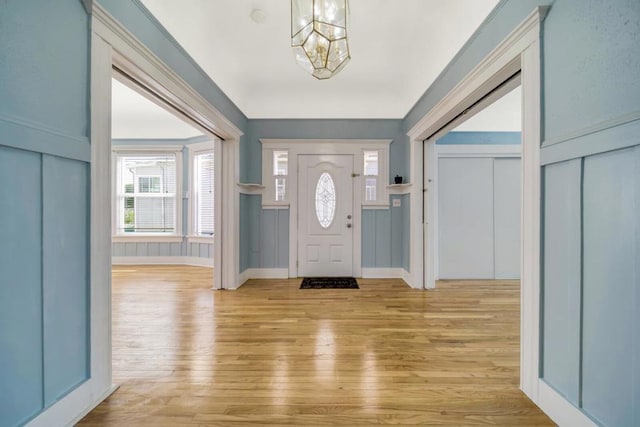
255,209
561,284
283,238
368,238
396,235
274,238
65,275
383,238
268,238
610,287
20,286
385,235
244,233
406,231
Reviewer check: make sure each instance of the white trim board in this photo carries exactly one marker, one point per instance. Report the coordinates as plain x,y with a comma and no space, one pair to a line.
384,273
520,50
64,412
559,409
162,260
112,44
470,150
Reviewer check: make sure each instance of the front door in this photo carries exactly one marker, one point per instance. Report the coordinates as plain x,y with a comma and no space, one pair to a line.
325,216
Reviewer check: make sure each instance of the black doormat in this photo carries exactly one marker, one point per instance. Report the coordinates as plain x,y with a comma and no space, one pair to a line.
329,283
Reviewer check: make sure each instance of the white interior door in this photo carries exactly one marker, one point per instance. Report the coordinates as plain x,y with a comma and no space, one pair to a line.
325,215
465,218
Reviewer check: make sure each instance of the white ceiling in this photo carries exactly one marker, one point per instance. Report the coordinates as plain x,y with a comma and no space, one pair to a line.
398,48
133,116
504,115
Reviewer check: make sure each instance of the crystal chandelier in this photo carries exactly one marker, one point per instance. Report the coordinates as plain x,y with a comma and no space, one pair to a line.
319,36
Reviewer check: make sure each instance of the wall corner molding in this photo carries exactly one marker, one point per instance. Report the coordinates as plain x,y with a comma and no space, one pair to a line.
88,6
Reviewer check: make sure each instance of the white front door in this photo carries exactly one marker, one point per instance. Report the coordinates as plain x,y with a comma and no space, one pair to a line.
325,218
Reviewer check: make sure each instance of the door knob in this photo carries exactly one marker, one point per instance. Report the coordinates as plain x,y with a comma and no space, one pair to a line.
348,225
348,216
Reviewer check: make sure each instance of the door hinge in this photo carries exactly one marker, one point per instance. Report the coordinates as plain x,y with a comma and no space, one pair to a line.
296,263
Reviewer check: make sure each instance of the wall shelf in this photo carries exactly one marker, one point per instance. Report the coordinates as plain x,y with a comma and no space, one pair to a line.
250,188
399,188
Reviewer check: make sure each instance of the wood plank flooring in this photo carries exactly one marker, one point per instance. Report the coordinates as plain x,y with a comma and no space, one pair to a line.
271,354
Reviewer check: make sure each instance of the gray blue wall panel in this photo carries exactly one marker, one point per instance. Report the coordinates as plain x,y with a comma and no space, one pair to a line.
21,352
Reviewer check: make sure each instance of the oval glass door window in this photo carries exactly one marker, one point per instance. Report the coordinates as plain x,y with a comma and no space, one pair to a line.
325,200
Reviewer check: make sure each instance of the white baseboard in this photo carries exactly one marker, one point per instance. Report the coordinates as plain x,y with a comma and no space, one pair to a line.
385,273
262,273
559,409
406,276
160,260
71,408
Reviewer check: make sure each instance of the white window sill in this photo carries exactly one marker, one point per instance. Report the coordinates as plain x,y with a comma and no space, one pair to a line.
200,239
275,205
140,238
372,206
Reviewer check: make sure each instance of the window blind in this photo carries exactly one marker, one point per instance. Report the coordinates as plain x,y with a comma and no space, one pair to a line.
146,193
204,194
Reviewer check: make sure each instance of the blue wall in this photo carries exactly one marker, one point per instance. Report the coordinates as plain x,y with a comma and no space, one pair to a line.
254,250
591,168
165,249
251,152
44,204
480,138
591,194
591,191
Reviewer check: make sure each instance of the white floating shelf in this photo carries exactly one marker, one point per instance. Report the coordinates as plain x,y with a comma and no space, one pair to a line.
250,185
399,188
250,188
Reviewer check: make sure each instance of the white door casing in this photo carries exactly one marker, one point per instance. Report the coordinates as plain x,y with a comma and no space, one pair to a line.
520,50
325,221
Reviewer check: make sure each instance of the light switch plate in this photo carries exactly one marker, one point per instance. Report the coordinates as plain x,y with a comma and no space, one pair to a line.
397,203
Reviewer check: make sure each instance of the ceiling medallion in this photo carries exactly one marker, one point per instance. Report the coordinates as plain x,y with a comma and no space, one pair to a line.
319,36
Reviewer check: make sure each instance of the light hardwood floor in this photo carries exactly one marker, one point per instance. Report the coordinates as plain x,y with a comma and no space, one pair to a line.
271,354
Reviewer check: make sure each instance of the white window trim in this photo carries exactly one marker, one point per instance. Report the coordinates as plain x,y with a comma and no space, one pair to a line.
268,178
137,183
193,150
382,193
297,147
356,147
146,150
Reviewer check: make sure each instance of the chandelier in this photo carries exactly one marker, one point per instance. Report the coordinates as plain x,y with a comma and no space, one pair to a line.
319,36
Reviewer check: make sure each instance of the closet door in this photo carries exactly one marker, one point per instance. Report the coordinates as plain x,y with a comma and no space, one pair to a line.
466,220
507,218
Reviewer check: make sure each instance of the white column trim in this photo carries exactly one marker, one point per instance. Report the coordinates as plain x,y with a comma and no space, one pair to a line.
518,51
112,44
